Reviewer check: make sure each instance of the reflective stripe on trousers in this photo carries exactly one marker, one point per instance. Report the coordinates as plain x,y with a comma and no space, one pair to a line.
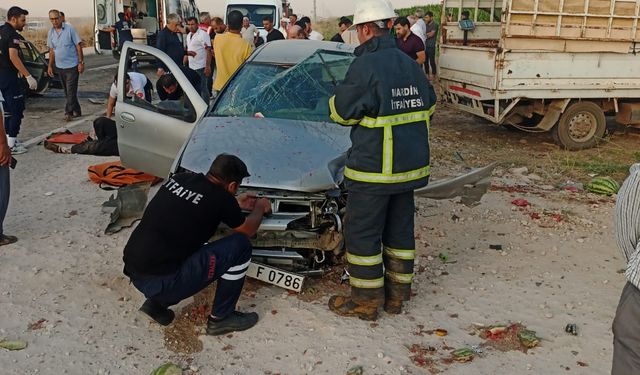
374,220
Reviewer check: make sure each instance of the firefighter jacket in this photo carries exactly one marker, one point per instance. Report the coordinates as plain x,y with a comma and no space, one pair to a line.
387,100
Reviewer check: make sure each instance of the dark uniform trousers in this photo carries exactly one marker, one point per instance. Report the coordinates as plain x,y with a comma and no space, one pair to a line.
70,78
13,93
225,260
380,265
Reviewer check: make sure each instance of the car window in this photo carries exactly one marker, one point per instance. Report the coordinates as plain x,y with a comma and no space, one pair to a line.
176,104
301,92
256,13
28,53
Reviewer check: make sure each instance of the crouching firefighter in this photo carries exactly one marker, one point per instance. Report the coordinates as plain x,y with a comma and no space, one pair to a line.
165,257
387,101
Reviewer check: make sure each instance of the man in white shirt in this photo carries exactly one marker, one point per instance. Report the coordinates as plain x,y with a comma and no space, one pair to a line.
249,32
416,29
199,54
136,84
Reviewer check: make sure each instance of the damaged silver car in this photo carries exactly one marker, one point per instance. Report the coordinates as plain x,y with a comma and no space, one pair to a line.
274,115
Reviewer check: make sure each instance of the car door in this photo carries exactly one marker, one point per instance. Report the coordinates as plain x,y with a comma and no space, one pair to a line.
104,14
36,65
150,135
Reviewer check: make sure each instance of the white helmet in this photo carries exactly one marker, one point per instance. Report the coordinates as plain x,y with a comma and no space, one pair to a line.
373,10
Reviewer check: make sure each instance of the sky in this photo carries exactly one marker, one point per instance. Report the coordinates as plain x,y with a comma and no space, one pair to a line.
84,8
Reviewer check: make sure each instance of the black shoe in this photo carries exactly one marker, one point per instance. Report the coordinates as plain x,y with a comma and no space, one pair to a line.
236,321
157,312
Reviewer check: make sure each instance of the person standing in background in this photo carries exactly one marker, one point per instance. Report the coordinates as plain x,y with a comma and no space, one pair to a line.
65,54
626,324
272,33
292,22
408,42
10,66
5,187
231,50
344,24
311,34
430,45
169,42
416,29
249,32
199,55
123,30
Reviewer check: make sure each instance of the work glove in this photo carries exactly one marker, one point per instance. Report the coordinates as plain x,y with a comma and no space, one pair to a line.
33,84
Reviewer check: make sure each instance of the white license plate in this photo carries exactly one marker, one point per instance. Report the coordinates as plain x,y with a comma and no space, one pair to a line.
275,276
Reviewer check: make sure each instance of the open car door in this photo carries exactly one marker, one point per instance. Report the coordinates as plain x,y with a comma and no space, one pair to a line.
36,65
105,16
150,135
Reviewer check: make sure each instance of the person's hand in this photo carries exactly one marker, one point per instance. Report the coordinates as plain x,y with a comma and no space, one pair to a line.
5,154
33,84
160,72
247,201
50,71
191,53
265,204
81,68
207,71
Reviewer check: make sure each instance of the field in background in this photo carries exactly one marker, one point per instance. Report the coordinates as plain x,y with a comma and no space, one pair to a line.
84,27
329,26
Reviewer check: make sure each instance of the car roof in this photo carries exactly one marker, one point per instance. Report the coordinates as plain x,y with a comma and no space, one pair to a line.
293,51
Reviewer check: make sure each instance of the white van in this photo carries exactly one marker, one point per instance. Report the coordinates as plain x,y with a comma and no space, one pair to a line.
148,18
256,10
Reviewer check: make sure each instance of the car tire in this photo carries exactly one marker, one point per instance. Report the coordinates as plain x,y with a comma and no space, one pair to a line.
581,126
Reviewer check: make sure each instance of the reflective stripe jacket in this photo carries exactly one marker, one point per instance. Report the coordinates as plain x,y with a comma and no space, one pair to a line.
387,100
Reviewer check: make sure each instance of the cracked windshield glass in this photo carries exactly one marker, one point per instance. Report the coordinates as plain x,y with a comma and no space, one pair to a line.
301,92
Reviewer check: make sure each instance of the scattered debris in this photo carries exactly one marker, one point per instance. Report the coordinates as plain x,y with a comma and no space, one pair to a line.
509,337
444,258
582,364
37,325
495,247
520,202
126,207
463,355
49,193
571,186
572,329
168,369
355,370
421,356
13,344
441,332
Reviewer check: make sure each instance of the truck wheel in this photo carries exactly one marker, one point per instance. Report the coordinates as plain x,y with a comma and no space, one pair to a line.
581,126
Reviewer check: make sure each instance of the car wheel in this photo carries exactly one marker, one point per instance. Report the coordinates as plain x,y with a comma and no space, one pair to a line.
581,126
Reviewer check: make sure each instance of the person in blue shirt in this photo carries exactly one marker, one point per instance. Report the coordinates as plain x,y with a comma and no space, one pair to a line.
65,54
170,43
123,28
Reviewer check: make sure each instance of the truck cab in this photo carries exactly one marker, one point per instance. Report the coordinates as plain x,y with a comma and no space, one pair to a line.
256,10
147,16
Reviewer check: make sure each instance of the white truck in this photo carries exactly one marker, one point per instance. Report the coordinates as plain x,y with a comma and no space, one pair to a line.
256,10
541,65
148,18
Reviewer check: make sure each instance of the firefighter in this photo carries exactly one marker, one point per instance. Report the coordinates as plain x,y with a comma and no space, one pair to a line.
387,101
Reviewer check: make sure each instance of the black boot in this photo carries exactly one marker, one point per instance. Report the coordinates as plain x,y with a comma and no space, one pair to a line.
236,321
159,313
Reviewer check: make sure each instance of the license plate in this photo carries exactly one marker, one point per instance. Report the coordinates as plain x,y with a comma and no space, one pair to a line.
275,276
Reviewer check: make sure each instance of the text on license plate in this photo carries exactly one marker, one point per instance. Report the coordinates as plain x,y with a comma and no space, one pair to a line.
275,276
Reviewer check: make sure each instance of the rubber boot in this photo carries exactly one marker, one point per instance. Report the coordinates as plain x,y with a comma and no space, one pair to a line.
393,306
345,306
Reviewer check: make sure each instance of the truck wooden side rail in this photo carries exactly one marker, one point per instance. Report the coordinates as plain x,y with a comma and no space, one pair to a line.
541,65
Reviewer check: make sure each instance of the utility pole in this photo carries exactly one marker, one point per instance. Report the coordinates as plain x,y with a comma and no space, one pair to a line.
315,15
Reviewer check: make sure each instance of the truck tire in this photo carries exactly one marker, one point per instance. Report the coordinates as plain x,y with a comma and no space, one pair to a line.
581,126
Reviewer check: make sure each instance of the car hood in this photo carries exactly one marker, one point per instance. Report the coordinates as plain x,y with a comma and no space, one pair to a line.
281,154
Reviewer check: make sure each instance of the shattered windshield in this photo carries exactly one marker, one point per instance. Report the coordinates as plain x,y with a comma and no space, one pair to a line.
301,92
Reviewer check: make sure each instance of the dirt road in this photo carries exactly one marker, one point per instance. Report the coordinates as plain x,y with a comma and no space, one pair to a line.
545,265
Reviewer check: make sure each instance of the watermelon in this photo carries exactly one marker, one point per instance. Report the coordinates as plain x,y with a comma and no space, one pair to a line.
168,369
603,186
